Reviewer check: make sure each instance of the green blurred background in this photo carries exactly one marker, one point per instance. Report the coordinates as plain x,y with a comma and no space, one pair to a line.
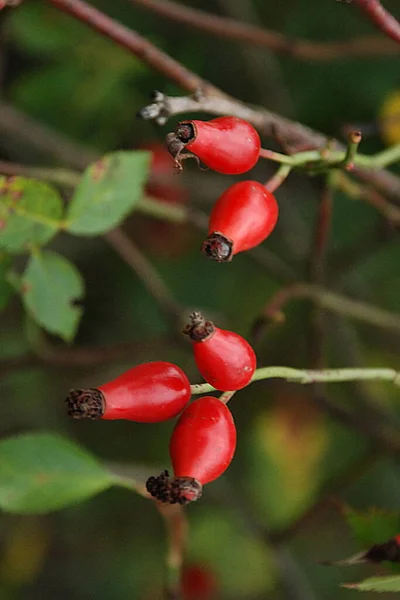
113,546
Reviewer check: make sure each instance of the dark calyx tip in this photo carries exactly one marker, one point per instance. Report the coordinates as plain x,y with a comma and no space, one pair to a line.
185,131
199,329
85,404
218,247
174,490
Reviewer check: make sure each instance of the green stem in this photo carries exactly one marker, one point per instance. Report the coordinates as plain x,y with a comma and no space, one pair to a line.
279,177
336,158
176,213
352,148
313,376
63,177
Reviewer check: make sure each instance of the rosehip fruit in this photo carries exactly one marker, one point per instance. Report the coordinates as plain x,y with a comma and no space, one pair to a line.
149,393
227,144
224,358
201,448
199,582
243,217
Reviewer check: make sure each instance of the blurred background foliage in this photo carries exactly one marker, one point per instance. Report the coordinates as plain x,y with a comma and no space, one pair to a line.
290,451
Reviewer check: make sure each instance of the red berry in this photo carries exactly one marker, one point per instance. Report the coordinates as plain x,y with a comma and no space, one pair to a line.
243,217
227,144
224,358
203,441
202,446
149,393
199,582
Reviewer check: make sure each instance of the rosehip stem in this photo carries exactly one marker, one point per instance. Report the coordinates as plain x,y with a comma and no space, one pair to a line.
226,396
336,158
353,142
313,376
279,177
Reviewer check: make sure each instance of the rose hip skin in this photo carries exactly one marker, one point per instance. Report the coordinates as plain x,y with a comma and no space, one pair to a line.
149,393
227,145
204,440
243,217
224,358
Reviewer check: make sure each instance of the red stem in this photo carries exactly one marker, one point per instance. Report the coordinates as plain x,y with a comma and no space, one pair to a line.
381,17
233,29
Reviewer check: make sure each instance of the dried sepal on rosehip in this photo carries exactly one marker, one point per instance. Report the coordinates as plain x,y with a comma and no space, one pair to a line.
201,448
224,358
243,217
228,145
149,393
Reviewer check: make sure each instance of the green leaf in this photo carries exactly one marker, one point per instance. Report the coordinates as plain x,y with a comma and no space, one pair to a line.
390,583
41,472
50,286
373,526
107,192
30,213
6,289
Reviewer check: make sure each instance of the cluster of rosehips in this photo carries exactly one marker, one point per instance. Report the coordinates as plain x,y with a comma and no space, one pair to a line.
204,438
247,212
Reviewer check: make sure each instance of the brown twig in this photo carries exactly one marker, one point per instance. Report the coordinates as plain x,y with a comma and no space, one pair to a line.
68,356
332,301
367,193
51,143
150,277
229,28
207,97
381,18
134,42
177,530
268,123
321,234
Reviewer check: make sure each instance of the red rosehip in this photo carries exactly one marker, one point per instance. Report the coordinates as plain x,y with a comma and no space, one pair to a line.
149,393
227,144
201,448
243,217
199,582
224,358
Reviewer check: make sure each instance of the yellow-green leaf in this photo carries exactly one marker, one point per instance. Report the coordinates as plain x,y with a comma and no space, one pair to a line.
30,213
107,192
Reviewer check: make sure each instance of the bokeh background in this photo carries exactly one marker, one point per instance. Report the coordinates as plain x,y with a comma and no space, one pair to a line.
292,449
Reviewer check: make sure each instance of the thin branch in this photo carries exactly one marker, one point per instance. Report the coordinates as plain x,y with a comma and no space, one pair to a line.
342,305
277,127
58,176
144,269
232,29
321,234
16,123
208,97
177,531
75,356
308,376
381,18
368,194
134,42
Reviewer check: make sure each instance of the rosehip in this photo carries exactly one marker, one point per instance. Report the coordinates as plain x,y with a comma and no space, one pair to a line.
224,358
243,217
199,582
201,448
149,393
227,144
